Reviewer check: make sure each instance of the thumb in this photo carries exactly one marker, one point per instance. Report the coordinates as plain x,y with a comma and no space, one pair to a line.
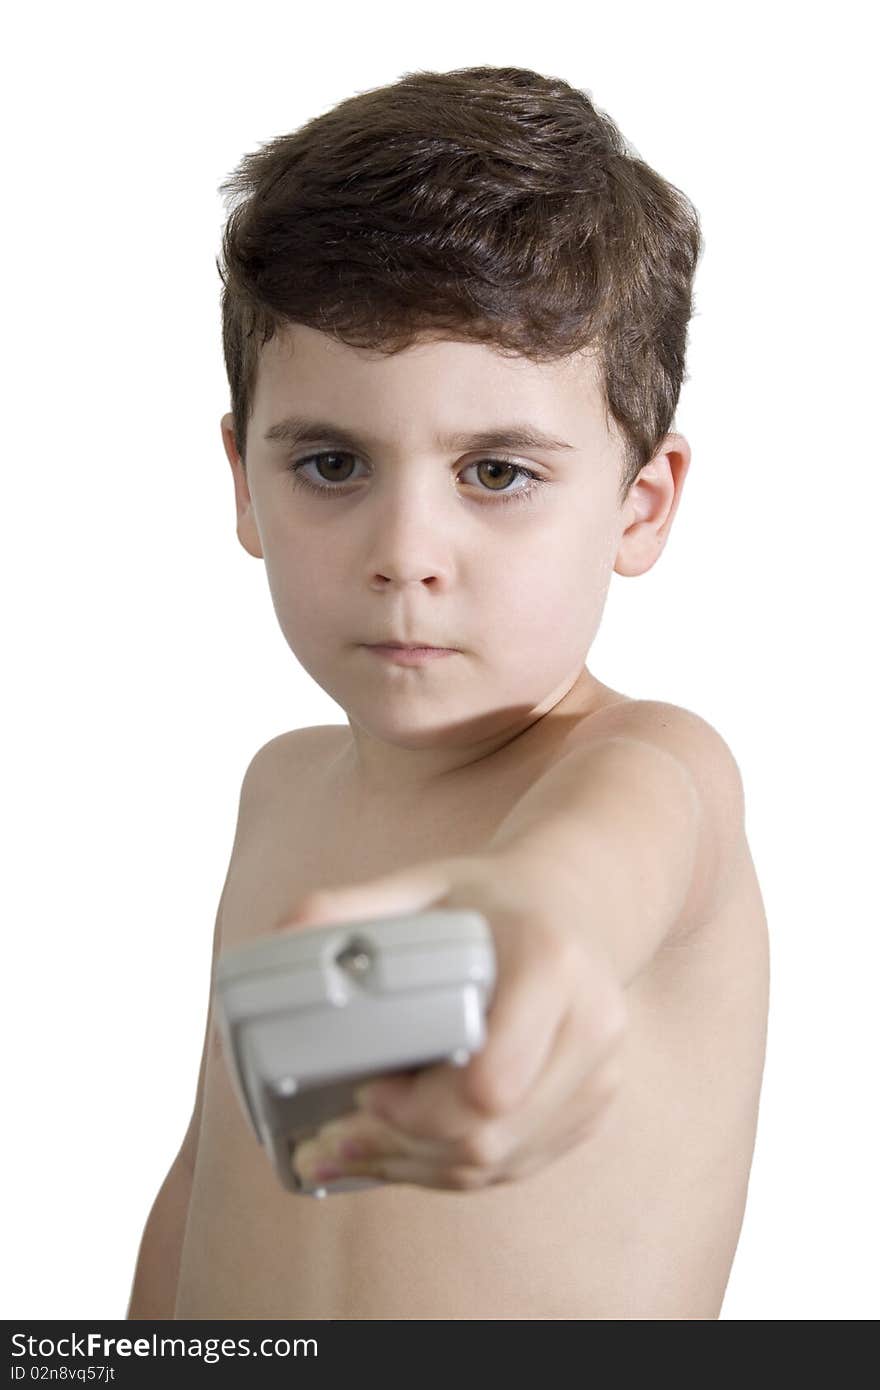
407,890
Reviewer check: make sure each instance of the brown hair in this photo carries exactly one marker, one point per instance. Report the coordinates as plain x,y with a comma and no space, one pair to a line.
490,204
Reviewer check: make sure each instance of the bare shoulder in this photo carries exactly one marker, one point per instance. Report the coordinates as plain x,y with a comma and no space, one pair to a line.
289,753
681,733
296,742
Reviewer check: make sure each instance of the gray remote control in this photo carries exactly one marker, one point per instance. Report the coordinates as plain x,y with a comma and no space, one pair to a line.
308,1015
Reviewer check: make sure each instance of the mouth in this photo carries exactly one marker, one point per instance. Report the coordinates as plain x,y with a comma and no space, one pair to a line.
410,646
408,654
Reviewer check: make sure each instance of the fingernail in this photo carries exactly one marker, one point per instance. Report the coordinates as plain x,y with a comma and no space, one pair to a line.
327,1171
352,1148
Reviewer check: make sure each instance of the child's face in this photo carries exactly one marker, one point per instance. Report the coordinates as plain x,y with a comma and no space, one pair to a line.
415,539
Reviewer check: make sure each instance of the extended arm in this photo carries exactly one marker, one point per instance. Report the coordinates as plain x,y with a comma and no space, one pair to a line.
634,832
625,843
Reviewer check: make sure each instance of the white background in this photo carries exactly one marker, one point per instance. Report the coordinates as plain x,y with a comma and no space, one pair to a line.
144,662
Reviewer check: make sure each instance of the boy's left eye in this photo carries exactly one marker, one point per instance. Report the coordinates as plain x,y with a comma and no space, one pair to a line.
505,494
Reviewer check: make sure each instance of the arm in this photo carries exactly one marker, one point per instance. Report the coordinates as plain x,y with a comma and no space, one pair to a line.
625,844
634,831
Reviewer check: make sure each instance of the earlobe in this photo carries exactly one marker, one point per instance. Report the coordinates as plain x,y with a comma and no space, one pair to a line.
651,505
246,525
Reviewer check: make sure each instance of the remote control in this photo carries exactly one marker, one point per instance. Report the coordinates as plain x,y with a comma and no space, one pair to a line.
308,1015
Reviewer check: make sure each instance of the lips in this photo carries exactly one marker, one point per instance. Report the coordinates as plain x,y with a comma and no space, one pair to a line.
412,646
402,655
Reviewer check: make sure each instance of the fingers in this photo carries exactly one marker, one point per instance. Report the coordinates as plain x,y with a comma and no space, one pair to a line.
582,1075
546,1034
522,1023
356,1139
580,1079
538,1087
444,1101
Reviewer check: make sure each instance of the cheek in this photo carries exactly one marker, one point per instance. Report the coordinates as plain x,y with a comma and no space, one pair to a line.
553,598
304,587
300,556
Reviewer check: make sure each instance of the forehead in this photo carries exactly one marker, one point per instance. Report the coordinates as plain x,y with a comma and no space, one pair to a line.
435,382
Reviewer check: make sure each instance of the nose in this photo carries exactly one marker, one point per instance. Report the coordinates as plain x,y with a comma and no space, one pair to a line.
406,545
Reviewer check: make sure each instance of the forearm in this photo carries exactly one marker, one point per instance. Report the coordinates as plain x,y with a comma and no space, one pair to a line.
611,836
154,1289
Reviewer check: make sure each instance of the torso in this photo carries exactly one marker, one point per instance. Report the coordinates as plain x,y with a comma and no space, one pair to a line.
640,1221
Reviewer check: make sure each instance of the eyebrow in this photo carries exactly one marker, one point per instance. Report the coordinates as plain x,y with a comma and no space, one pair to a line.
296,429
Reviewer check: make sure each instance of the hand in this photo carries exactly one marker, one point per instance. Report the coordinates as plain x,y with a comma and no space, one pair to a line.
550,1064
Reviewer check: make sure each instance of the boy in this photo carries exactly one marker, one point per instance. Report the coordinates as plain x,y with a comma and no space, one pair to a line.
458,286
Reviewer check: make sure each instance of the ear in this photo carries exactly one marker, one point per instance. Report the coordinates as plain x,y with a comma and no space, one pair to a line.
246,524
650,506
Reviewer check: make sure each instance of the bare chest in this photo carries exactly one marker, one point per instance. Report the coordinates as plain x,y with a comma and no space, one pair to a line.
311,835
641,1221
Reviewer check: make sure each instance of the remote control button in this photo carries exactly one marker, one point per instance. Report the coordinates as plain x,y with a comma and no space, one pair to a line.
356,958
